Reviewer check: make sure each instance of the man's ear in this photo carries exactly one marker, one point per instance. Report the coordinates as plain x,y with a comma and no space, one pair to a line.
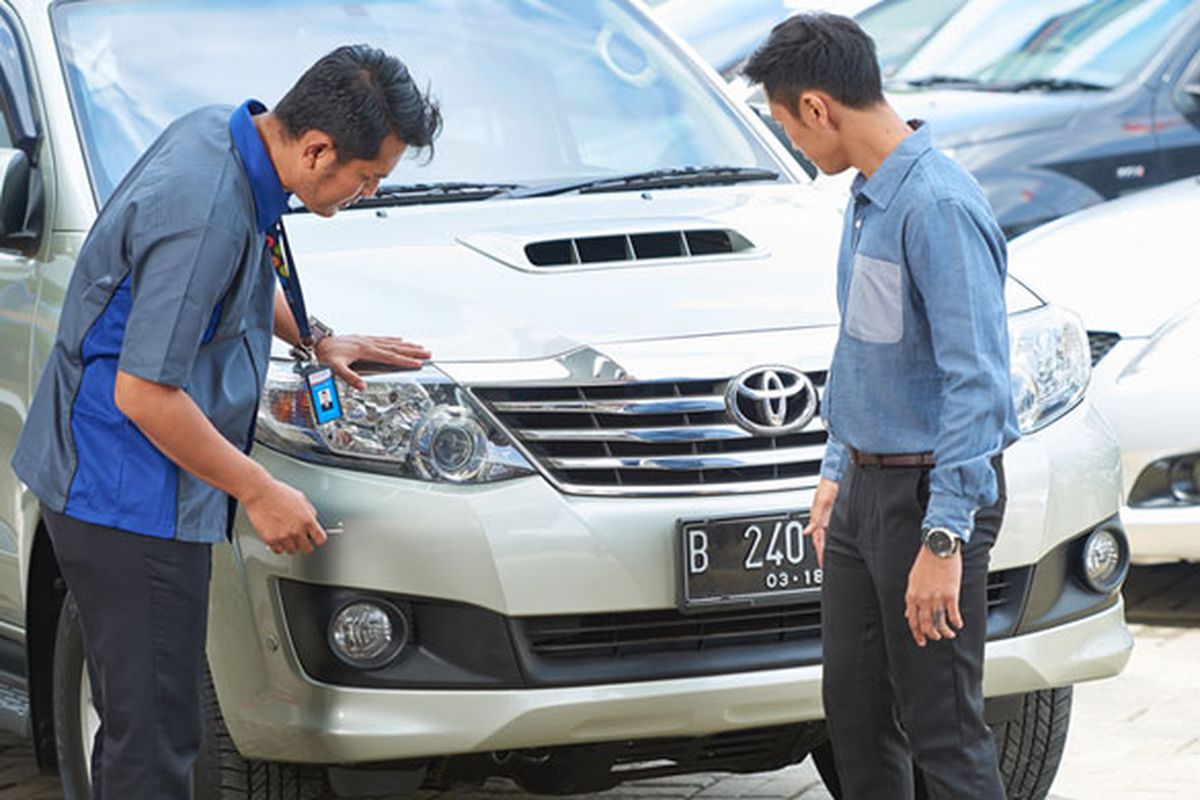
316,149
813,110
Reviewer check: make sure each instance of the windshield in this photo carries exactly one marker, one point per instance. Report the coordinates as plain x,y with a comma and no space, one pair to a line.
899,27
532,90
1100,43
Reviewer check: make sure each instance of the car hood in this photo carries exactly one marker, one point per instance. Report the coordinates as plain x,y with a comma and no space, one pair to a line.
454,277
959,118
1126,266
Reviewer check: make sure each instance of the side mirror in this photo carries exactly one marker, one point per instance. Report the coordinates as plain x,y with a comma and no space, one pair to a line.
14,199
777,129
1193,89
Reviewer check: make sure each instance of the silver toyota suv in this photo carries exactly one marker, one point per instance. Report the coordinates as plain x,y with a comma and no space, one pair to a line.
568,551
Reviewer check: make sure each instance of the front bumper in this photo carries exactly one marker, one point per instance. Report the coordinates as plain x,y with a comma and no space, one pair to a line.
521,549
328,725
1158,535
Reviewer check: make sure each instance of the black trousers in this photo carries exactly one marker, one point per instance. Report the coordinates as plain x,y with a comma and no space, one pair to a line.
887,701
143,605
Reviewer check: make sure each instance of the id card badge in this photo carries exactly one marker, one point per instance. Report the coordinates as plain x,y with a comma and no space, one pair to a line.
327,406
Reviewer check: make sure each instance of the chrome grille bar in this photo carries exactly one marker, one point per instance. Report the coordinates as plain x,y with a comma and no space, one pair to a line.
709,433
655,406
759,458
699,490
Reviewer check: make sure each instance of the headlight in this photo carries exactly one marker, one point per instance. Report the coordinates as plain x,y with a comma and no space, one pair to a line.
1174,349
413,424
1051,364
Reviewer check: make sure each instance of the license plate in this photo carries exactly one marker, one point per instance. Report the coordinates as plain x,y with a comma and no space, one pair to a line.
746,561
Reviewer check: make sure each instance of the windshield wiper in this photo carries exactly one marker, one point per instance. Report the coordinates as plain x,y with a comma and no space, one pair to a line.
941,80
396,194
654,179
1051,85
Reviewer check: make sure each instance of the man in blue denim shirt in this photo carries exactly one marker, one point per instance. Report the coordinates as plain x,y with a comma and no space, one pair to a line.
918,407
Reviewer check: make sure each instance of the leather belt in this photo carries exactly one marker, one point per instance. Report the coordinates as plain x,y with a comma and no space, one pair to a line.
861,459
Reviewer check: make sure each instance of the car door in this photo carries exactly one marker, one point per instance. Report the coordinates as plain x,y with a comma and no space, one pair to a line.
18,298
1177,115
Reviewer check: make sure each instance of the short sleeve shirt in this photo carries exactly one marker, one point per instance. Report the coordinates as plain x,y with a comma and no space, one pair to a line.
173,285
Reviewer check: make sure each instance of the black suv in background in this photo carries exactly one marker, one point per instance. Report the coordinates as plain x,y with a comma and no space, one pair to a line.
1055,105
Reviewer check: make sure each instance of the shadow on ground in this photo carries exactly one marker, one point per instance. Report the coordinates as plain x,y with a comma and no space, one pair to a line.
1167,594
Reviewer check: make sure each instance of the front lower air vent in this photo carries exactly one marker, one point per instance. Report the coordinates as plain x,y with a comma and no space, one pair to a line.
616,248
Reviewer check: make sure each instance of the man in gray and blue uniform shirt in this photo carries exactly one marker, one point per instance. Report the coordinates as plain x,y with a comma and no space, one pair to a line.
918,406
136,439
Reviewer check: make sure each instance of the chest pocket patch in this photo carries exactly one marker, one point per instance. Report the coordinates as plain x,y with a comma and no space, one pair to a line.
875,307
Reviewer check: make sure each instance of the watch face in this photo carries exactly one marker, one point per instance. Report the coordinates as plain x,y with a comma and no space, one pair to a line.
939,542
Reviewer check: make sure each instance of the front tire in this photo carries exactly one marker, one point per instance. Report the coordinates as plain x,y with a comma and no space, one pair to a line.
74,728
1029,747
222,773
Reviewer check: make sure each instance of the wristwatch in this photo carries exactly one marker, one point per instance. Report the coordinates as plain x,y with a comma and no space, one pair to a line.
319,330
942,542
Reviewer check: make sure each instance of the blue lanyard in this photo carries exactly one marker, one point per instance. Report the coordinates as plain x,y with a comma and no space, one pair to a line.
289,279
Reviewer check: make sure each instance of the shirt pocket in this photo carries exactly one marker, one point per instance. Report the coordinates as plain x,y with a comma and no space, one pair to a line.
875,308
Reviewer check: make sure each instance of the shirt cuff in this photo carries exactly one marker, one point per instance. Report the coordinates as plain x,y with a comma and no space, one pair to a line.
833,465
952,512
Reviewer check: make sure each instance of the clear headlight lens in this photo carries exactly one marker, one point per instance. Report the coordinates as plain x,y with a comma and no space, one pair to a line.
1051,364
412,424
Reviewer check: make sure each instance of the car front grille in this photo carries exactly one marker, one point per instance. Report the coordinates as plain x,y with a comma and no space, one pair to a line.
624,634
631,633
644,645
653,438
1101,342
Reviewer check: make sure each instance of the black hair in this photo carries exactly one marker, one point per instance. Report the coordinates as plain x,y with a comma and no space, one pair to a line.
358,94
817,51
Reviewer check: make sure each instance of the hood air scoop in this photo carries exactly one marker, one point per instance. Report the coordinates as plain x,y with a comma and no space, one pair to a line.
633,245
625,247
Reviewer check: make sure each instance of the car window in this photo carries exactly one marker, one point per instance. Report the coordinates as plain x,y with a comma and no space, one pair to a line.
531,90
19,116
1102,42
899,27
1187,88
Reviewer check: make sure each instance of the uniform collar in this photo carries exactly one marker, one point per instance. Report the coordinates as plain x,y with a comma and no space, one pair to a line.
881,187
270,198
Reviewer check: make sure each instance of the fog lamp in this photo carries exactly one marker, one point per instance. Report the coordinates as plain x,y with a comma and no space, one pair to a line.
367,634
1185,480
1105,560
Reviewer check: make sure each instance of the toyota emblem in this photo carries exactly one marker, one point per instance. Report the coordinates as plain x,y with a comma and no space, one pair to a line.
771,401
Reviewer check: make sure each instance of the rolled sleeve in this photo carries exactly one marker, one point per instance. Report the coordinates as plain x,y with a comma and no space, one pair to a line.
957,263
178,278
833,465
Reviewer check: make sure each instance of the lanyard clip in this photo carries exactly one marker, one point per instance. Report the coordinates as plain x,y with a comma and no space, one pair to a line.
303,354
306,350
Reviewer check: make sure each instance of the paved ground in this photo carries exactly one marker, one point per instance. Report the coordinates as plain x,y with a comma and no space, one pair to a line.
1136,736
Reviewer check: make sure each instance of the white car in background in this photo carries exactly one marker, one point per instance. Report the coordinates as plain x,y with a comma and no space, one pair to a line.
1129,267
726,32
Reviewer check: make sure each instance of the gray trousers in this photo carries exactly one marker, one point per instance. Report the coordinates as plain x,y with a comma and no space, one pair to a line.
143,605
888,702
